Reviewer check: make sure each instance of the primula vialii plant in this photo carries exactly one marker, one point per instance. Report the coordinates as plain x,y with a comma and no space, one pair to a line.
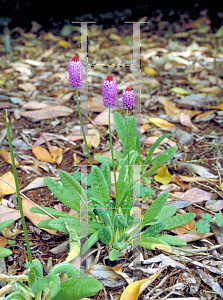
110,218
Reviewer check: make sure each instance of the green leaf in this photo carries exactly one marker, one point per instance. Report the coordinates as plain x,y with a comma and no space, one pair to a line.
74,243
99,187
105,169
179,220
16,296
207,217
96,225
74,189
120,126
62,194
153,243
118,154
77,175
146,191
5,252
89,243
120,246
166,212
37,266
154,209
103,158
5,224
52,211
123,237
78,288
94,202
103,215
161,159
154,146
114,254
153,230
51,282
171,240
119,219
122,193
104,235
132,135
66,268
203,226
219,219
138,145
58,224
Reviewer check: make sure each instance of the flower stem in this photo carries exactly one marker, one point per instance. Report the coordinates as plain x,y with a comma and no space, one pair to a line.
17,189
82,128
109,123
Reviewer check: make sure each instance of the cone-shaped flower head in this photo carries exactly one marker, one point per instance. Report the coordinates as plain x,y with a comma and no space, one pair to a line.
109,91
75,71
128,98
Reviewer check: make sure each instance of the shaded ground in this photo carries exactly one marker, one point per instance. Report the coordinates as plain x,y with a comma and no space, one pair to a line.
166,63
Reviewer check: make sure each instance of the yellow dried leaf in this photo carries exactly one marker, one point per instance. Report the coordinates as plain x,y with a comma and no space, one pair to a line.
220,106
64,44
133,290
163,176
149,71
181,91
162,123
221,186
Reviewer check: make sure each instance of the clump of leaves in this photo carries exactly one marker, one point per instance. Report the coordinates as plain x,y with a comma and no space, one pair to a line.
204,224
110,220
50,287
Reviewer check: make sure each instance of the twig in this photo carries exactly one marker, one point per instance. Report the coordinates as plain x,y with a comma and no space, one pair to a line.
211,188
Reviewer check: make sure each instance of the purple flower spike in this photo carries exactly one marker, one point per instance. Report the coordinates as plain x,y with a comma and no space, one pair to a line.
75,71
128,98
109,91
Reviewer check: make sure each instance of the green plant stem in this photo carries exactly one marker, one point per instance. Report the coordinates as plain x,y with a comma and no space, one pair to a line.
109,125
82,128
17,189
128,138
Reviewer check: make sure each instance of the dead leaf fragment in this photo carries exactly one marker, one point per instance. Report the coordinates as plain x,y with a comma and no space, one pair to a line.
7,157
185,120
7,213
102,118
93,138
48,112
196,195
57,155
5,189
202,171
162,123
34,105
27,86
42,154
